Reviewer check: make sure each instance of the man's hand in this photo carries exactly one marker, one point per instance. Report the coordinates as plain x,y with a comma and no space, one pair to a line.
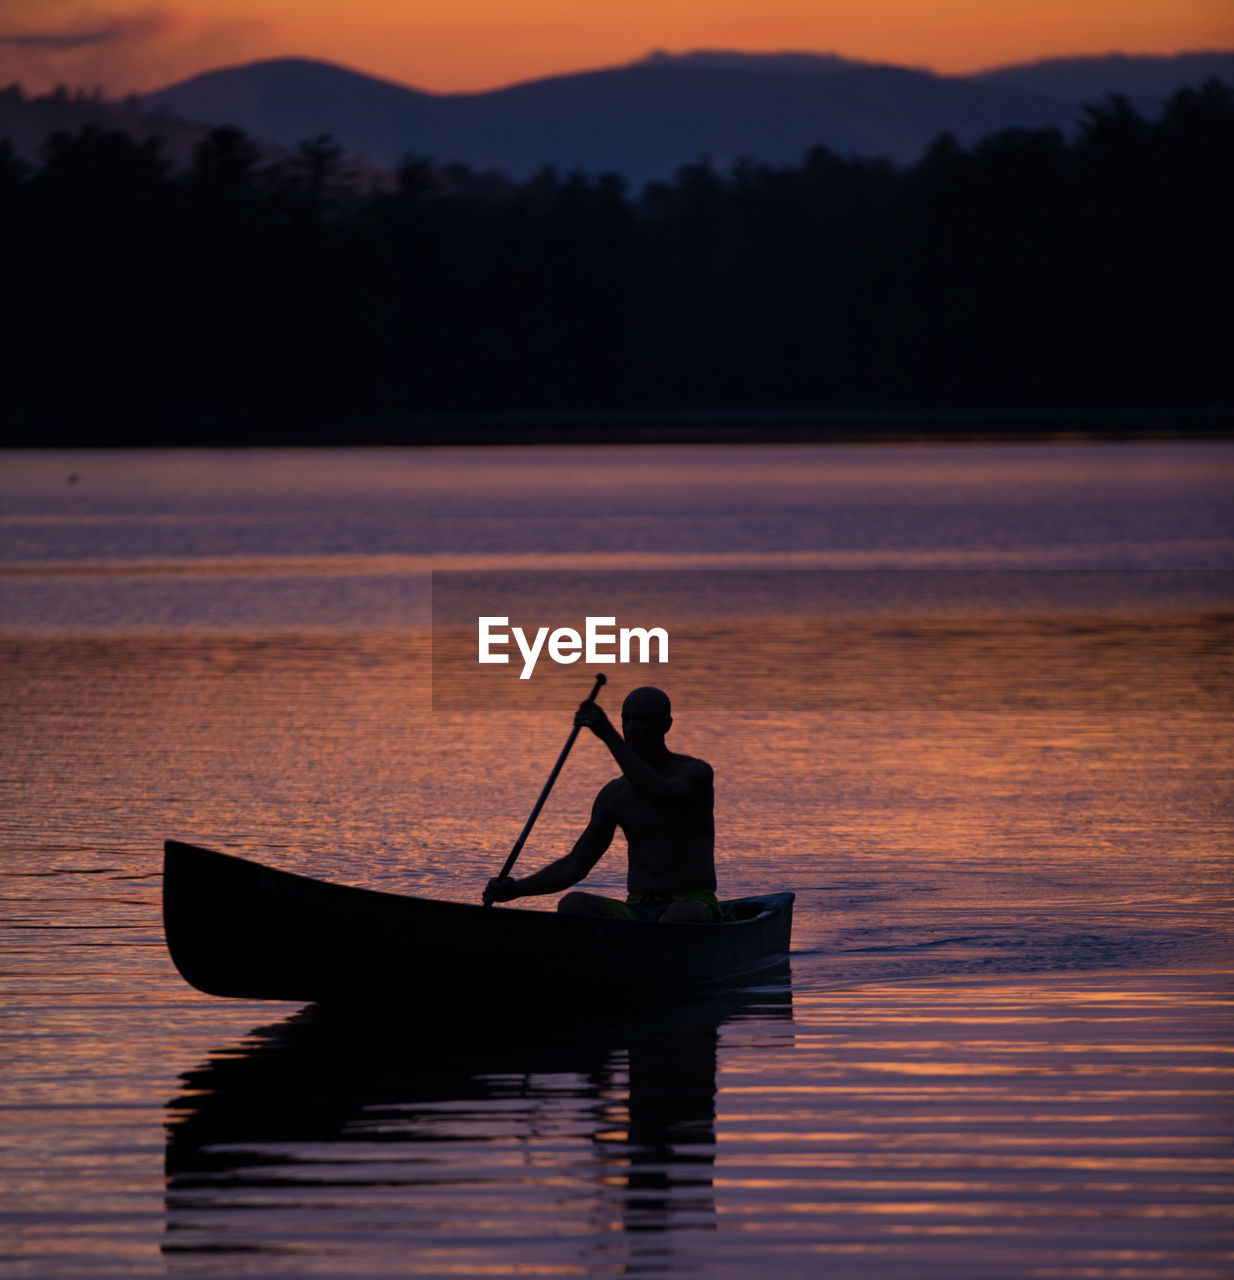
500,889
593,717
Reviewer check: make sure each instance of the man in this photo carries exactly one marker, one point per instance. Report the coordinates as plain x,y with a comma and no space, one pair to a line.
662,802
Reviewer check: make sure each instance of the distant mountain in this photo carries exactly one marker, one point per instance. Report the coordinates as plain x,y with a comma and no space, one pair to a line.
737,60
646,119
642,120
1147,80
289,99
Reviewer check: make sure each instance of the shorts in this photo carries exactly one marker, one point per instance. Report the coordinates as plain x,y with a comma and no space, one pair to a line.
651,906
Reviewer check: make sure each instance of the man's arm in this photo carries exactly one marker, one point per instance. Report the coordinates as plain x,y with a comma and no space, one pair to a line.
565,872
689,784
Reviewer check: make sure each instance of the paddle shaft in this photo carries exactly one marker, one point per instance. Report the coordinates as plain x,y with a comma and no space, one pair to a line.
548,786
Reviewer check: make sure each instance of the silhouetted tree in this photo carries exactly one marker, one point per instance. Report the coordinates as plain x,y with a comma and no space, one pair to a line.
1026,270
14,173
224,169
414,180
319,180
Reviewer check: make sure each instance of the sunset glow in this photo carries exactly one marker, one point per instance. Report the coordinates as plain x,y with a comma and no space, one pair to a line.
128,45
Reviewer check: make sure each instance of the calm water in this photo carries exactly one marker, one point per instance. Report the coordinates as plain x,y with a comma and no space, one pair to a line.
970,703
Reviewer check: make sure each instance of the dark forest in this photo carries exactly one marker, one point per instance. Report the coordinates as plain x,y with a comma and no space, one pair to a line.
239,299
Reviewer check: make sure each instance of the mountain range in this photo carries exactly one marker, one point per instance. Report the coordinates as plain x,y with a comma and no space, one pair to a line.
645,119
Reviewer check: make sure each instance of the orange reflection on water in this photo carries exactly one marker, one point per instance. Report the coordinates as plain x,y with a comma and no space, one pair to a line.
952,797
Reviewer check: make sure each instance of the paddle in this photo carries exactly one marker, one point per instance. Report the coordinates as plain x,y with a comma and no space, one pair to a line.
548,786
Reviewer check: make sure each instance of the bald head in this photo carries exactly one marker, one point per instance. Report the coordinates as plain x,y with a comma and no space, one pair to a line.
646,716
648,703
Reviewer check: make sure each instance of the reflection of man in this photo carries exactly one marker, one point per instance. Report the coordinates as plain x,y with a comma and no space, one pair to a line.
662,802
670,1131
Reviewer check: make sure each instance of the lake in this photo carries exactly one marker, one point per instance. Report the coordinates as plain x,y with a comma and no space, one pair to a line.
970,702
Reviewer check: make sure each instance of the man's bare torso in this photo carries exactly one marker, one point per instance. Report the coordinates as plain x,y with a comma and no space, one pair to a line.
671,845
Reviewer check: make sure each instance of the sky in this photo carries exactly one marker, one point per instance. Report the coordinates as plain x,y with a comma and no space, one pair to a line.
464,45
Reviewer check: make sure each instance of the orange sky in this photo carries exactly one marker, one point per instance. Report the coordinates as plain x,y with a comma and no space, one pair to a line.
477,44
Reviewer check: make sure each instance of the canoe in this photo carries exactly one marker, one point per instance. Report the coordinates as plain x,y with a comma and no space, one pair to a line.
238,928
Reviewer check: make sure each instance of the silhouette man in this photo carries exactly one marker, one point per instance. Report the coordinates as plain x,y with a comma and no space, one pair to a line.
663,803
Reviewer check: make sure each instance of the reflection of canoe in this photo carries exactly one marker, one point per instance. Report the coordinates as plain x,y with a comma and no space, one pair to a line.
329,1069
437,1136
236,928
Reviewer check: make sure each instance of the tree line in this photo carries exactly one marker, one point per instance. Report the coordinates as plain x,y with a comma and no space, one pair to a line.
1028,271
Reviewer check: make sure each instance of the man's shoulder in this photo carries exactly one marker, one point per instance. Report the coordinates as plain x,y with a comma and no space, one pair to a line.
618,796
612,792
682,766
693,767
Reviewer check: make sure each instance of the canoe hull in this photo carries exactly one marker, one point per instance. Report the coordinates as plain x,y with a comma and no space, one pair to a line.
237,928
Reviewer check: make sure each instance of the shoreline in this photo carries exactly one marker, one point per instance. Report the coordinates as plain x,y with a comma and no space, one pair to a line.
246,428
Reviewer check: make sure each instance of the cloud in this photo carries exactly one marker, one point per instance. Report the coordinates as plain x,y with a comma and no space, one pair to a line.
59,39
45,43
134,27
